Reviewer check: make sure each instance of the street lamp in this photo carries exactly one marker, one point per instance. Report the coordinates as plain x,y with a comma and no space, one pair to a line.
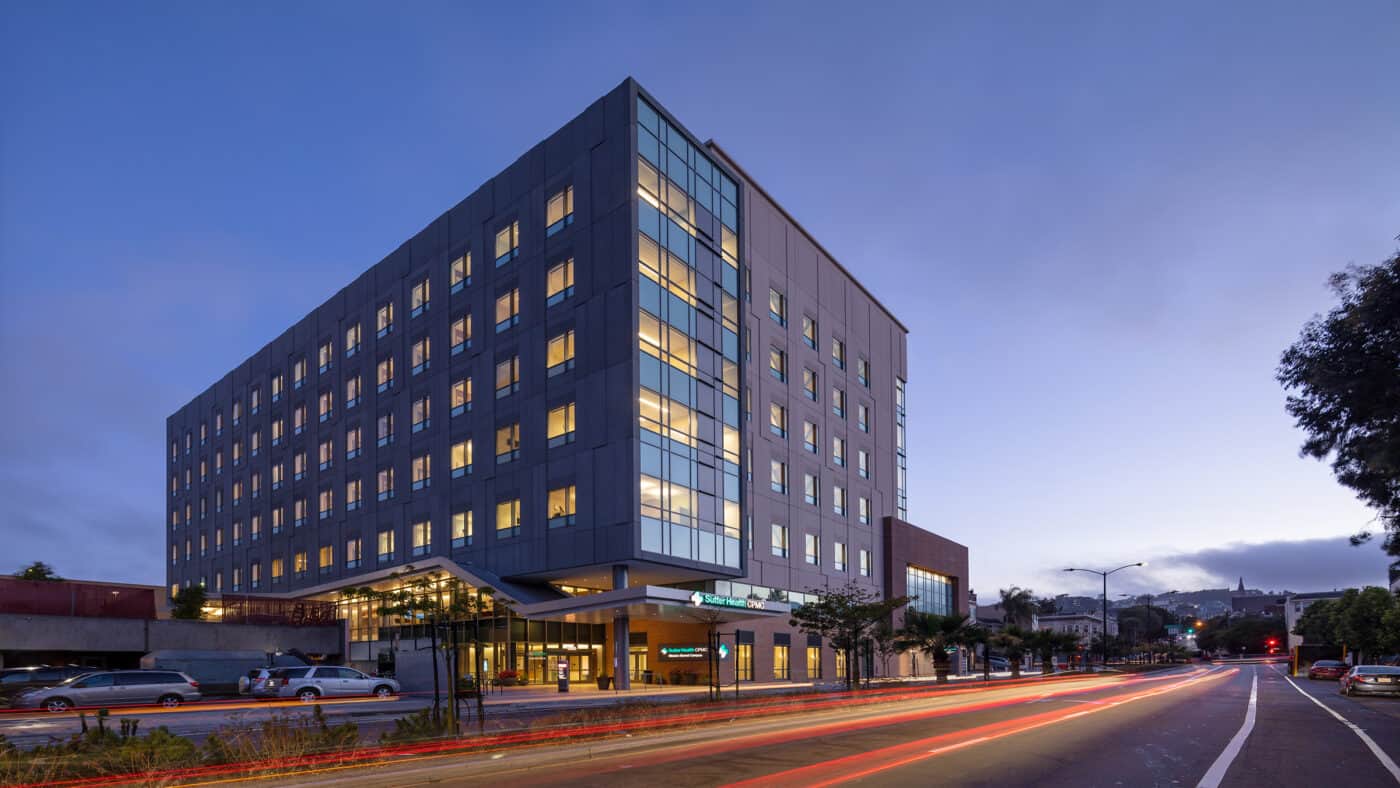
1103,637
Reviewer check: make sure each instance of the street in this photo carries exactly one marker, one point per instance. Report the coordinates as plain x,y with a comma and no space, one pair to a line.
1171,728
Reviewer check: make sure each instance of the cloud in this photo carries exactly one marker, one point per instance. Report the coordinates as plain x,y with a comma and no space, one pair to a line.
1307,565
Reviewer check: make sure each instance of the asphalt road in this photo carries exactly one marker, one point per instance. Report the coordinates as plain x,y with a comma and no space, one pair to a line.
1185,727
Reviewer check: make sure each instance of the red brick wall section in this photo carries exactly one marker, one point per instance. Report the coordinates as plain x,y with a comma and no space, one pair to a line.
67,598
906,543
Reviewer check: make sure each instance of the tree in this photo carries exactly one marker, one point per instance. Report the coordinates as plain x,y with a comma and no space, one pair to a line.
188,603
39,571
1318,624
935,635
1046,643
1017,606
1046,606
886,640
844,618
1011,642
1343,375
1251,634
1361,619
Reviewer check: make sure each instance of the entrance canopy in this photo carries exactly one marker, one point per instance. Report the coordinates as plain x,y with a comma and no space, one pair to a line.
655,603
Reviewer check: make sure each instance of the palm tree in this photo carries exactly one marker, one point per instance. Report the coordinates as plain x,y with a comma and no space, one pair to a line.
1011,642
1046,643
1017,606
934,635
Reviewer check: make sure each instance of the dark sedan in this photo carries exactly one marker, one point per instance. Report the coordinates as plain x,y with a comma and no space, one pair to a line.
1371,680
1327,669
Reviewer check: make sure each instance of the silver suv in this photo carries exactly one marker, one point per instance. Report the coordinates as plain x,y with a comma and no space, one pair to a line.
323,681
113,688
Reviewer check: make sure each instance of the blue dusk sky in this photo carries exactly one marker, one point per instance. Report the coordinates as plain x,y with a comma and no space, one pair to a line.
1101,222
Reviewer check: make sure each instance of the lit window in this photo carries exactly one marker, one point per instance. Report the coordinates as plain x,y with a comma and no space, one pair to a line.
559,355
864,563
352,392
238,530
326,405
507,243
838,353
238,452
352,340
422,471
508,518
461,458
781,667
386,546
422,538
863,510
559,282
813,551
384,319
218,423
508,443
420,411
298,424
255,574
326,559
838,501
218,540
559,211
810,493
353,556
279,522
561,425
278,426
299,372
385,374
862,418
777,363
809,384
507,310
420,356
810,437
562,510
780,540
384,427
778,476
326,454
299,564
863,463
277,568
461,338
299,512
254,400
327,503
237,412
386,483
809,332
508,377
777,419
418,297
461,396
838,403
325,357
838,561
462,529
838,451
459,273
203,546
238,578
353,491
203,433
255,484
863,372
777,307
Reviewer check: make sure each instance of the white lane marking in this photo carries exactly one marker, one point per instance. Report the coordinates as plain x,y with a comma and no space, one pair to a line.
1217,770
960,745
1370,743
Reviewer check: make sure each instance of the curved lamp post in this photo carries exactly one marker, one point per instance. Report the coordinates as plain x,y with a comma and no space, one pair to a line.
1104,573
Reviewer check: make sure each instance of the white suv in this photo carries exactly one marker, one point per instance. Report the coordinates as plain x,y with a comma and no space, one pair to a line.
323,681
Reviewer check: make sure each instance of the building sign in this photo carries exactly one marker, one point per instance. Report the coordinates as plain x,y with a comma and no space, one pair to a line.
685,652
700,598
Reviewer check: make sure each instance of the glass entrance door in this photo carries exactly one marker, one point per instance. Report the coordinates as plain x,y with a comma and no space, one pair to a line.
580,666
638,664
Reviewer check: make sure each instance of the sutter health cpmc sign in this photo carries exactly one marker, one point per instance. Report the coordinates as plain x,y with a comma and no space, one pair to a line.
684,652
715,600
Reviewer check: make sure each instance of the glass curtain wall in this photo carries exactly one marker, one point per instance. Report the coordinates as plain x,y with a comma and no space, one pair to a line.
688,250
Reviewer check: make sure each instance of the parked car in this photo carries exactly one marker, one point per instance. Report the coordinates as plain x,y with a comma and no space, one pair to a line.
113,688
308,684
1371,680
252,679
1327,669
13,681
